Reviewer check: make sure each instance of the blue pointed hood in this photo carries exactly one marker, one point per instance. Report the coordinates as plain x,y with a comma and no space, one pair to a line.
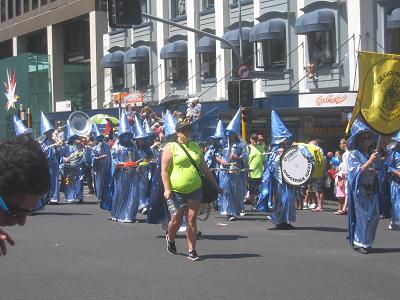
357,128
235,124
279,131
69,135
146,127
20,127
396,138
45,124
138,130
124,127
169,124
219,131
96,132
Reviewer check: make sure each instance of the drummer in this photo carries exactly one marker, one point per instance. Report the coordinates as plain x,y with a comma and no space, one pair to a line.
281,194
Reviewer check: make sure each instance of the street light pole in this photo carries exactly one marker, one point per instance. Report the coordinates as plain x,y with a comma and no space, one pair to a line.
244,130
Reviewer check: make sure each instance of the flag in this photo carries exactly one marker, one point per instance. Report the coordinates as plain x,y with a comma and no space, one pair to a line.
378,98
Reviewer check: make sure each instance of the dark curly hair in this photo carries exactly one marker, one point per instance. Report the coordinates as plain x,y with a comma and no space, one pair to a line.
23,167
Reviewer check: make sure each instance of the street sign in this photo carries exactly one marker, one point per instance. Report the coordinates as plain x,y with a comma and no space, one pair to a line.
243,71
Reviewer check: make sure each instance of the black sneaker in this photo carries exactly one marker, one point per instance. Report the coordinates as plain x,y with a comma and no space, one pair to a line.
171,247
193,255
363,250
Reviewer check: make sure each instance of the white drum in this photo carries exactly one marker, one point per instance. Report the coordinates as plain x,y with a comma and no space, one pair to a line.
296,169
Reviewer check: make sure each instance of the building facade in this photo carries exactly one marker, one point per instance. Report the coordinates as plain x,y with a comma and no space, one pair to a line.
302,55
59,43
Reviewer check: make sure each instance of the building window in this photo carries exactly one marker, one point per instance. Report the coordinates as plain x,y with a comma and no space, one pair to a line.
43,2
248,57
18,7
235,2
394,40
273,55
208,65
320,48
142,73
208,4
10,9
178,8
2,10
35,4
26,6
176,70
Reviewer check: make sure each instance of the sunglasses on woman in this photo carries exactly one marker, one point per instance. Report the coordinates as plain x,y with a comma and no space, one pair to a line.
14,212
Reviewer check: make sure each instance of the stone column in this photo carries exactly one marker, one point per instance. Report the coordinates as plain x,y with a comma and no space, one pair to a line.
55,50
302,61
162,34
97,27
193,21
223,56
258,84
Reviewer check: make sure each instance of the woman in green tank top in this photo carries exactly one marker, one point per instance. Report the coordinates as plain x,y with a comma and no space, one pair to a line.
183,186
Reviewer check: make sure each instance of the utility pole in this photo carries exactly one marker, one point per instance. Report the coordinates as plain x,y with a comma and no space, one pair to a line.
244,127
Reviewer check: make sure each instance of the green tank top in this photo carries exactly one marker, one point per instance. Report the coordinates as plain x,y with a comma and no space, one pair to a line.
182,175
255,162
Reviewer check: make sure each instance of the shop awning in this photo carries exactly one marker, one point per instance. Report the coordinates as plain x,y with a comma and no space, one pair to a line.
393,20
318,20
137,55
113,60
233,37
274,29
205,44
176,49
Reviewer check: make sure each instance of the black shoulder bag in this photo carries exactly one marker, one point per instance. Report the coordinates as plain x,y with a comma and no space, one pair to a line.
210,194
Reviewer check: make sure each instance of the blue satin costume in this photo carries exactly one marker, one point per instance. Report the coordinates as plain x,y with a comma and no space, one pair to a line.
363,201
101,169
231,201
125,199
394,165
144,177
53,155
74,189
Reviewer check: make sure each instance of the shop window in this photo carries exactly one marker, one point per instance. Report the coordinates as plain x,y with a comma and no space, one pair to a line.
10,9
26,6
321,48
272,55
207,5
248,57
394,40
178,8
208,65
2,10
142,73
176,69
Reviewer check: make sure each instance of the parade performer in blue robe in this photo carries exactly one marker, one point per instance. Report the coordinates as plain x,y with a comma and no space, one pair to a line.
394,172
101,169
73,153
281,195
233,184
363,193
52,149
145,155
125,199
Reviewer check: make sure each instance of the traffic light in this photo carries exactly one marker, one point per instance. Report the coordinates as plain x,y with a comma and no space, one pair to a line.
124,13
233,94
246,93
246,115
118,81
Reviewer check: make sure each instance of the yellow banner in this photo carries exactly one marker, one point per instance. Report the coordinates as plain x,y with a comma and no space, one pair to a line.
378,98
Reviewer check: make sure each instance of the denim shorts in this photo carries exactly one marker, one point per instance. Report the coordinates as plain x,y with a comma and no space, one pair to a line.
180,199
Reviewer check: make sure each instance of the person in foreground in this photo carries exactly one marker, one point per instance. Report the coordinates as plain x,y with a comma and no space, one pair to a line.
183,186
363,187
24,179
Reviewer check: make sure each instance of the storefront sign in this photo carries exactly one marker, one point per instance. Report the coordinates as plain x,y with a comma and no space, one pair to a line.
63,105
327,100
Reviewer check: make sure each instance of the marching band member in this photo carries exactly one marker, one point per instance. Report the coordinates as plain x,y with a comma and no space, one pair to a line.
73,154
101,168
145,154
233,183
281,194
52,149
394,171
125,199
363,187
